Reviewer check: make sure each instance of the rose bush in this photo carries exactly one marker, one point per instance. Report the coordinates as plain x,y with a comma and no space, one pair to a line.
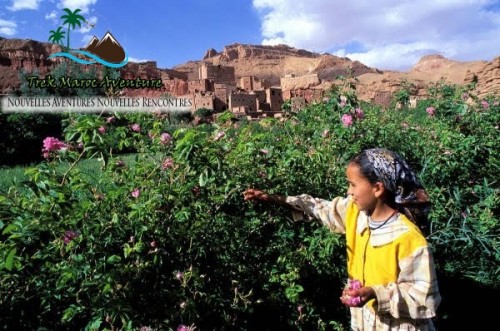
163,239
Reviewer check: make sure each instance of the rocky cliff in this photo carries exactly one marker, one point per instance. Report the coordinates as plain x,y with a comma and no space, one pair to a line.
24,54
432,69
273,62
270,63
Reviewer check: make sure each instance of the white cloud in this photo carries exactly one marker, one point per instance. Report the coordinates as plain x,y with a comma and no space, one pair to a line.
24,4
133,59
52,16
77,4
7,28
88,25
387,34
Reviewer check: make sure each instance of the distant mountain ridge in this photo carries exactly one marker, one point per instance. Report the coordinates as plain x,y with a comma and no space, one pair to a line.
273,62
269,63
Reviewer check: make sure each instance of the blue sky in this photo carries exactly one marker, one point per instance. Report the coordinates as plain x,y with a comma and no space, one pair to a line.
386,34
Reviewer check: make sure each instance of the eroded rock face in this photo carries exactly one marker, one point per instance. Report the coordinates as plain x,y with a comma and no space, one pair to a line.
27,55
488,78
270,64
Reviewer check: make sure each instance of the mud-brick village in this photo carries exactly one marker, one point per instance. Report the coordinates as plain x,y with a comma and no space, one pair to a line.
254,81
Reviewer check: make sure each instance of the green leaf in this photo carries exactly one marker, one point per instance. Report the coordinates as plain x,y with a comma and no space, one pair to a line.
113,259
9,261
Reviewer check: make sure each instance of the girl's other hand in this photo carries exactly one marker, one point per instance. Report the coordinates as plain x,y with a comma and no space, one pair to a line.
255,195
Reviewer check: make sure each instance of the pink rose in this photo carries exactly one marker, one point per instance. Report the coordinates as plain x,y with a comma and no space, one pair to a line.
431,111
51,144
165,138
359,113
167,163
347,120
353,285
136,127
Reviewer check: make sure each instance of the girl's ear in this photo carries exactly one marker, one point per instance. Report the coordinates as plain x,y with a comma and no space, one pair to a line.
378,189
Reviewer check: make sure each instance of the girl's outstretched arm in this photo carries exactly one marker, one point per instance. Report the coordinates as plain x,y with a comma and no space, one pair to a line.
258,195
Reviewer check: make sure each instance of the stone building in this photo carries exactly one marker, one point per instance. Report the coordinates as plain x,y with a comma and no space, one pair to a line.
382,98
242,101
200,85
221,93
251,83
217,73
274,98
203,100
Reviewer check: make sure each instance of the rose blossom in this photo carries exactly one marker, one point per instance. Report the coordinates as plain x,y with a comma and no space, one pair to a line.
136,127
431,111
165,138
167,163
51,144
359,113
352,284
70,235
135,193
102,129
347,120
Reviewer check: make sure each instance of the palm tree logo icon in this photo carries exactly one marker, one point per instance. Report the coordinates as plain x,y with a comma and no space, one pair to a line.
57,36
106,51
72,18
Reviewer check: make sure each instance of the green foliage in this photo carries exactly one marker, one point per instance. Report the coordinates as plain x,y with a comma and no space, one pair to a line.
203,112
166,238
21,136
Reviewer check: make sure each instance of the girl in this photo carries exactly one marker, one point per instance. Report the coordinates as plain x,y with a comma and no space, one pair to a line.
389,263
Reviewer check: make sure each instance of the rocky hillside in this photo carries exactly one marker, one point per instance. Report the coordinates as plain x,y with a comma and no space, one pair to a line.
273,62
431,69
30,55
270,63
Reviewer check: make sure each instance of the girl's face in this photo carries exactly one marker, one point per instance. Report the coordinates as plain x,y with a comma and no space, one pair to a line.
364,194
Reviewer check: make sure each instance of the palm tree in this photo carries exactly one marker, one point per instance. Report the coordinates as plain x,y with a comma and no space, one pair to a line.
72,19
57,36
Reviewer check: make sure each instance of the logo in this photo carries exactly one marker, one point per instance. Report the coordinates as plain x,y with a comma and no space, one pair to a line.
106,51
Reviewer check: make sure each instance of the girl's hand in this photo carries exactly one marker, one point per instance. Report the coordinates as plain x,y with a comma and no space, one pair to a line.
357,298
255,195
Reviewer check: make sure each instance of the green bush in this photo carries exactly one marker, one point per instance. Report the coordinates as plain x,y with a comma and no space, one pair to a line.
168,240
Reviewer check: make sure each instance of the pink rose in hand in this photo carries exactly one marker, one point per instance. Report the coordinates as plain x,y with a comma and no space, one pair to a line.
351,301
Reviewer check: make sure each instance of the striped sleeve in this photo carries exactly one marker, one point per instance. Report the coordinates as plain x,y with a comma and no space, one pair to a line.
415,294
331,213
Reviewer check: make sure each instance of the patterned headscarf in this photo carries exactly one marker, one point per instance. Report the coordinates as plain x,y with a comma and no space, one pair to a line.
409,195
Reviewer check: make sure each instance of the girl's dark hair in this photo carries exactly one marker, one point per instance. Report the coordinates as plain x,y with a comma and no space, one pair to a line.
366,167
415,211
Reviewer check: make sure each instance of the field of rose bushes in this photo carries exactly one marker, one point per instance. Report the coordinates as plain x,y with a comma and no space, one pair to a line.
166,242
